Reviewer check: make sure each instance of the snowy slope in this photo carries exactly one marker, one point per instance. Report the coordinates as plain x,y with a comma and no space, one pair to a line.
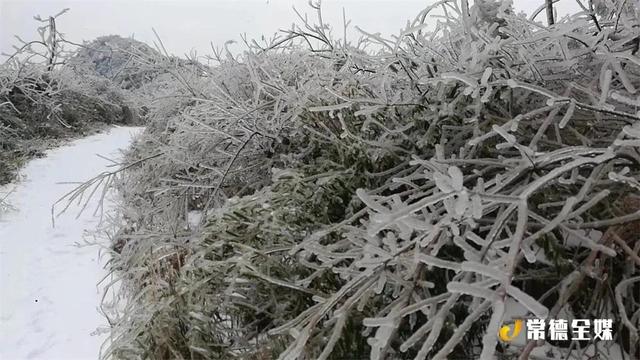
48,286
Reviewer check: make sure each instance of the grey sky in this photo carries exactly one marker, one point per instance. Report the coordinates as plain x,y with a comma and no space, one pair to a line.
190,25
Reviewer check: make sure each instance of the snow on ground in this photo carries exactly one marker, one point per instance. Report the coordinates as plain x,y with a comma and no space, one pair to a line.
49,296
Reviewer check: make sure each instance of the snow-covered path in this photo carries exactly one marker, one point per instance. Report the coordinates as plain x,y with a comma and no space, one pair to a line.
48,286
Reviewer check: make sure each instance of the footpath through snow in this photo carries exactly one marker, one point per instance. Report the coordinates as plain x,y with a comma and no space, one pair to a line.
49,297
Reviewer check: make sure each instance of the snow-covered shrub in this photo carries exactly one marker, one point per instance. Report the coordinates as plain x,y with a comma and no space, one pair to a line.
110,56
42,99
402,203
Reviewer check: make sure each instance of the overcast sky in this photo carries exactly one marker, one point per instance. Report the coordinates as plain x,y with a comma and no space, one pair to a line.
187,25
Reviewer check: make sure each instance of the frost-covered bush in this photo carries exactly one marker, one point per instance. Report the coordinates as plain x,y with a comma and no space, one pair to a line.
315,200
42,99
110,56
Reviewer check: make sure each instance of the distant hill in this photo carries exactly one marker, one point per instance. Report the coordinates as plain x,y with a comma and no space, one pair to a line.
119,59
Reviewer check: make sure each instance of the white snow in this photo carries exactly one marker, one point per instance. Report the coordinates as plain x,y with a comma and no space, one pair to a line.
193,218
49,298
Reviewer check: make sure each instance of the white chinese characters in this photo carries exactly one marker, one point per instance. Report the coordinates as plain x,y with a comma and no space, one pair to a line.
602,329
559,330
580,329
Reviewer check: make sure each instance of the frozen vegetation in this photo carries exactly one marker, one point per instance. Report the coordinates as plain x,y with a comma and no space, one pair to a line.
390,198
49,94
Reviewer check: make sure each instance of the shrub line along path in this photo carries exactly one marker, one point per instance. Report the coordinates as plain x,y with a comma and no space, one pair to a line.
49,297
